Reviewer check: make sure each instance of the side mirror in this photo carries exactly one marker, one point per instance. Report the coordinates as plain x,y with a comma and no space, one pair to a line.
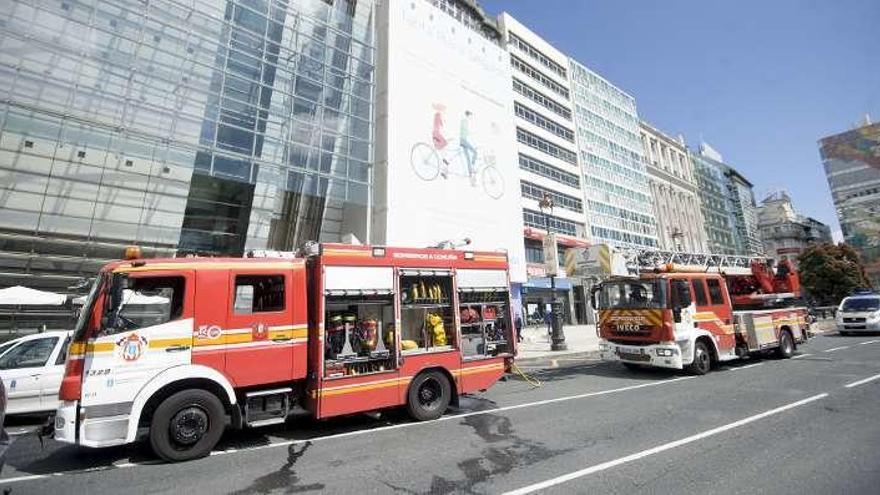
676,314
593,292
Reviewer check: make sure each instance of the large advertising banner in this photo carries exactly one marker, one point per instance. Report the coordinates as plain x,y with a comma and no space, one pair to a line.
451,164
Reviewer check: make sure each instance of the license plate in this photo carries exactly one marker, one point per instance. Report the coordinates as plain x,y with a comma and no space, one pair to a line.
628,350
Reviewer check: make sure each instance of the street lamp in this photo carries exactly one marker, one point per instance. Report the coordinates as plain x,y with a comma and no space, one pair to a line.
557,336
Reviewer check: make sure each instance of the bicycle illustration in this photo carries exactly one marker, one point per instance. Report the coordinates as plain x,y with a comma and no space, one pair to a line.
429,163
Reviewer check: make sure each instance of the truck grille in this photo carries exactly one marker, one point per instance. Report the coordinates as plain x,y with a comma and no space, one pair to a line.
854,320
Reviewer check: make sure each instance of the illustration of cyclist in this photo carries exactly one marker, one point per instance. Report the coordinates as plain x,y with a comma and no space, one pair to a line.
440,141
470,152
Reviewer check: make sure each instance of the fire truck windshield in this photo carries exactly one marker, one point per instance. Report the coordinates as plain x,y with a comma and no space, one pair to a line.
631,294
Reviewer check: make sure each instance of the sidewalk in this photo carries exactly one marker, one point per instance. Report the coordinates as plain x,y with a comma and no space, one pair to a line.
580,339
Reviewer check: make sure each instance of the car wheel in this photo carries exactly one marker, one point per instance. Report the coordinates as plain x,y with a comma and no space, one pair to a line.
429,395
702,359
187,425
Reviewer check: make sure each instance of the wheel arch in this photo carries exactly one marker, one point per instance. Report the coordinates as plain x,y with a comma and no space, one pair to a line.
787,328
174,380
452,383
706,337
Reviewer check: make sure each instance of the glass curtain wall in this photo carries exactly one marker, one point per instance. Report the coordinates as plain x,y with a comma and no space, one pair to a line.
206,127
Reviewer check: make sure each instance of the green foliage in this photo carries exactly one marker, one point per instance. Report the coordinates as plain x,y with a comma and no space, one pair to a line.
829,273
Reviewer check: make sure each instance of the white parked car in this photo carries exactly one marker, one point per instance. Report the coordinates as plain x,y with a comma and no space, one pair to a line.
859,313
32,368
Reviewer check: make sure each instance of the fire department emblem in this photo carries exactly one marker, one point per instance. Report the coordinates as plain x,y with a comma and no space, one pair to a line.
260,332
132,346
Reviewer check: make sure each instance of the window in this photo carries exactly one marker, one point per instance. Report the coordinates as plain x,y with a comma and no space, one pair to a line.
143,302
681,294
258,294
62,355
541,99
29,354
536,192
715,291
5,347
700,293
545,170
539,120
529,139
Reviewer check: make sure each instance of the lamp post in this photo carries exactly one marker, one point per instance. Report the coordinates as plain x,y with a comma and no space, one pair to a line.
557,337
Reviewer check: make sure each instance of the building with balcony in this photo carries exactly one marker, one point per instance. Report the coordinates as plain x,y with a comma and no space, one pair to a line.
673,184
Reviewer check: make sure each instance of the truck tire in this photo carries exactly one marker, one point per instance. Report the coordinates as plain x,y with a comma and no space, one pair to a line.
786,345
187,425
429,395
702,359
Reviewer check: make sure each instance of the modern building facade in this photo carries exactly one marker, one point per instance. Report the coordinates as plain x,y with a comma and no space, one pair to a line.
744,213
547,155
784,232
210,127
618,198
673,184
852,167
727,202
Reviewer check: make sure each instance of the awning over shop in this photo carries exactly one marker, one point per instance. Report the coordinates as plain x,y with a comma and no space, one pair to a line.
24,296
130,297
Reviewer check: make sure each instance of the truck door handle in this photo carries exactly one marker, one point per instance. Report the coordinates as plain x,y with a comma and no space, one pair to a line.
282,339
177,348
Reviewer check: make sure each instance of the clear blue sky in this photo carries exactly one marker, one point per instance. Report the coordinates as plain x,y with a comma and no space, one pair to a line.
759,80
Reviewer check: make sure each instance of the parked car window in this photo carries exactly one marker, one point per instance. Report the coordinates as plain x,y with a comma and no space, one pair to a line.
258,294
715,291
29,354
5,347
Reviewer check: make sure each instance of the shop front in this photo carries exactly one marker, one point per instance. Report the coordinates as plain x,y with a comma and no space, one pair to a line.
537,295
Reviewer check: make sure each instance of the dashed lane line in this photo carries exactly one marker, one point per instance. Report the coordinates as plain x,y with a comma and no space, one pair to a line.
869,342
745,367
661,448
836,348
801,356
862,382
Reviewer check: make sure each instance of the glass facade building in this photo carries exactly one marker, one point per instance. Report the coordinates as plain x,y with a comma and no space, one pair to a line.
715,204
208,127
618,205
852,167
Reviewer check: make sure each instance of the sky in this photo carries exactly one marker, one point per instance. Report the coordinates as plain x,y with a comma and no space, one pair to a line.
759,80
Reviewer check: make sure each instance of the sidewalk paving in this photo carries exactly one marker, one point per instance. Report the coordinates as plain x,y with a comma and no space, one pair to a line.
580,339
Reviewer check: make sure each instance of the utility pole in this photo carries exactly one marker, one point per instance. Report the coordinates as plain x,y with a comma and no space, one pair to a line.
557,336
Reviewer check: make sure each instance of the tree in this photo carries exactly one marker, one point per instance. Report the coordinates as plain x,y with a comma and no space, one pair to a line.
829,273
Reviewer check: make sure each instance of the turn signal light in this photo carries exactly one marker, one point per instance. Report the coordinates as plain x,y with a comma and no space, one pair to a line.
71,384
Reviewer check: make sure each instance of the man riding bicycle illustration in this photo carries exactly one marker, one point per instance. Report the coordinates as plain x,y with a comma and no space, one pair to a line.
439,159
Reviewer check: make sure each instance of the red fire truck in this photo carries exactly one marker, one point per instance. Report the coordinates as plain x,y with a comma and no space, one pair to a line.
691,311
177,348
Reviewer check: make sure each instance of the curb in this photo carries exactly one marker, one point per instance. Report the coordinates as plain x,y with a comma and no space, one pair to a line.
558,354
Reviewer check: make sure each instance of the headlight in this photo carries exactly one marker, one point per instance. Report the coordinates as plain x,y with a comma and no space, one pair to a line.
665,352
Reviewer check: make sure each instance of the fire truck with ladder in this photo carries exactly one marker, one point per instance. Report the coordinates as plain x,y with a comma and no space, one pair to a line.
177,349
691,311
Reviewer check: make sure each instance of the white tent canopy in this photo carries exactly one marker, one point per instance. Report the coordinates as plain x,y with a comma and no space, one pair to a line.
130,297
24,296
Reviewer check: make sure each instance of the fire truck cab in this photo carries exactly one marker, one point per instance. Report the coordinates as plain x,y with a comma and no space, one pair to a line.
177,349
688,319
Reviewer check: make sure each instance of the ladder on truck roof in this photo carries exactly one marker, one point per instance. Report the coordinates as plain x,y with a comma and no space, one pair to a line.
649,259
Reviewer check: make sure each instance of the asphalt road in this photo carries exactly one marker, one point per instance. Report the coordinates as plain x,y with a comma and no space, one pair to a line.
806,425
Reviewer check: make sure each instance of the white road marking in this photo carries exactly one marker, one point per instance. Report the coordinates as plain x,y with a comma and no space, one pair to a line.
836,348
862,382
366,431
660,448
745,367
869,342
799,356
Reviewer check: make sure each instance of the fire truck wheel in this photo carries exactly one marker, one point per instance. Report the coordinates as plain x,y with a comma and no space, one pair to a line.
702,359
187,425
429,395
786,345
